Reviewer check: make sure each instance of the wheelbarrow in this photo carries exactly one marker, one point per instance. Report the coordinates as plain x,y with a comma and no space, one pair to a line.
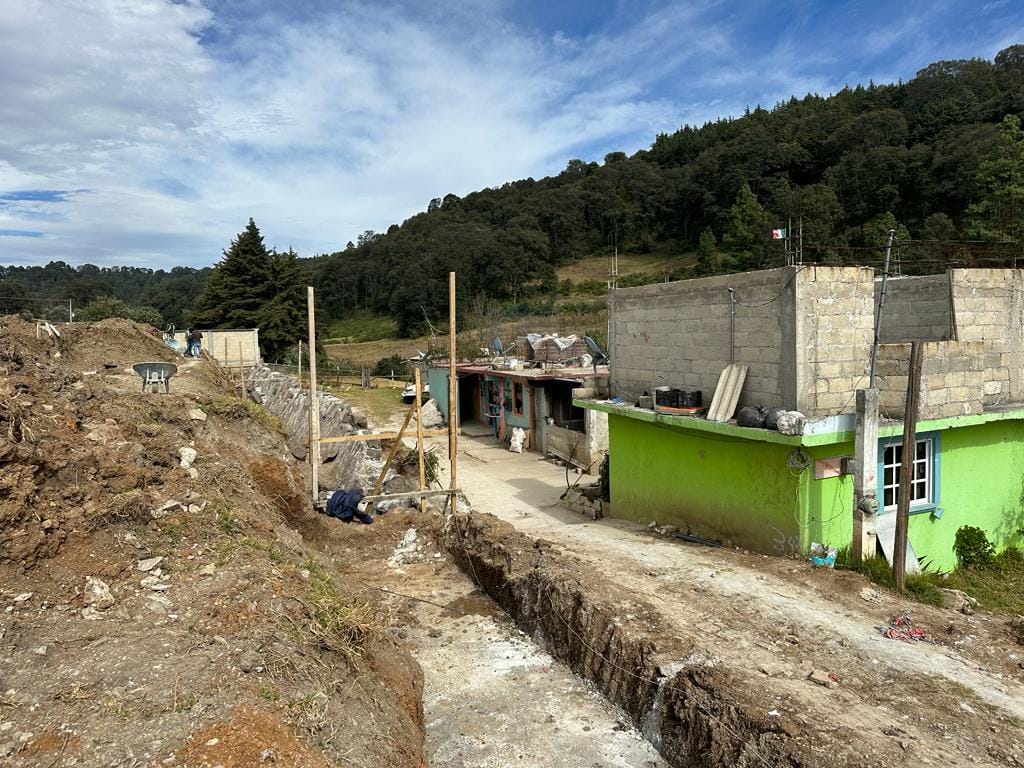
155,374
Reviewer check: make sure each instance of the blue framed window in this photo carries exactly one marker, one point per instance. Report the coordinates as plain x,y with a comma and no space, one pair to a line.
924,480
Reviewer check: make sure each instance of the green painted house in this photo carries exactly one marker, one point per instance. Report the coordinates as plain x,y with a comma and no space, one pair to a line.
806,334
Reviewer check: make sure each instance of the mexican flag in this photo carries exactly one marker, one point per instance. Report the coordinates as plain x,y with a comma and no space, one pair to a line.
779,234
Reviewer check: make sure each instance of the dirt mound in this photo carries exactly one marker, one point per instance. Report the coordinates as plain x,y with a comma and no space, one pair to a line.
157,596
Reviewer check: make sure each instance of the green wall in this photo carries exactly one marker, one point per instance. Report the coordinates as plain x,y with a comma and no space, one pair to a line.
720,487
743,491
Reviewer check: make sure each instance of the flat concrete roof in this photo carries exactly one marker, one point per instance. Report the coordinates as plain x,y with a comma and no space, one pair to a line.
811,437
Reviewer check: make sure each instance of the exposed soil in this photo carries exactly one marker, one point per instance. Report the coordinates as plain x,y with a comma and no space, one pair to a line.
734,638
241,647
492,697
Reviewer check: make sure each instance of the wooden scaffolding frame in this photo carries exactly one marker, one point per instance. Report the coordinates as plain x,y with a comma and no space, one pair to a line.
316,440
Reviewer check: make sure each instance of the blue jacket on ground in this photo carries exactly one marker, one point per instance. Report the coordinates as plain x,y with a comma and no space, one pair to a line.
344,505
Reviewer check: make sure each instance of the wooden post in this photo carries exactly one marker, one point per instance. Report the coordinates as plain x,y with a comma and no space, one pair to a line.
865,475
391,455
899,547
314,402
453,417
300,363
419,437
241,368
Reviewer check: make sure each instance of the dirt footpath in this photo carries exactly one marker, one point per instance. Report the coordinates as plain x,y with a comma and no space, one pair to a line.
768,623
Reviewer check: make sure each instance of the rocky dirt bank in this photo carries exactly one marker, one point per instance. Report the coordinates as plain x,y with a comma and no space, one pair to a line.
159,607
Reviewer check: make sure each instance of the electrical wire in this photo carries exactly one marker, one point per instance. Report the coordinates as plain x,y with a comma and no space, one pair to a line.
777,296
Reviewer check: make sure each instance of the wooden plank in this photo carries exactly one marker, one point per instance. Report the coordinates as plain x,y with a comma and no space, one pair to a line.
453,381
391,454
405,495
314,401
419,438
378,436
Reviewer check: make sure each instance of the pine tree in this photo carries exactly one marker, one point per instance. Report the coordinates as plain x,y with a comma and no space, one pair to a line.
241,283
281,320
999,214
708,260
747,232
252,287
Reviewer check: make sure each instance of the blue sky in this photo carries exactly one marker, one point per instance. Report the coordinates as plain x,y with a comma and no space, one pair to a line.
147,132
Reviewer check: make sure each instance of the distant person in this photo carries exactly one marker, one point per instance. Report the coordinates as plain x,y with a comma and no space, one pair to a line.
197,342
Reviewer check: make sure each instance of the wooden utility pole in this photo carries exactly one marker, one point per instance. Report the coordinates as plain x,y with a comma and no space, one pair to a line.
899,547
419,437
453,381
865,475
314,403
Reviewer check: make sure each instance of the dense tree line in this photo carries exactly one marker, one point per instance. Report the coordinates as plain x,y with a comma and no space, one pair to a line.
157,296
938,158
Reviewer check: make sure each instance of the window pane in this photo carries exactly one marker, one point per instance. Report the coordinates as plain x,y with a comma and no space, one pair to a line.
890,476
922,449
889,497
920,491
920,470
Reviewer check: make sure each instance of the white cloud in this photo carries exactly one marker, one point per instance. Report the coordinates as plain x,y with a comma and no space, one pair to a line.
176,122
319,129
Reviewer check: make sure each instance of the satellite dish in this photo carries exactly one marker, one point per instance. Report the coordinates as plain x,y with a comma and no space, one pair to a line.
498,346
599,354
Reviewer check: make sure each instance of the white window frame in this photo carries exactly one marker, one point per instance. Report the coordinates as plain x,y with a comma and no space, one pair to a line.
888,461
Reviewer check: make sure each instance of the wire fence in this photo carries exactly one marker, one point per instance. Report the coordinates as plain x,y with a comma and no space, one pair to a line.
333,375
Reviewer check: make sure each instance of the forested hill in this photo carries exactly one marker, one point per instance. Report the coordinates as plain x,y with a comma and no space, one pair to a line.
933,157
939,158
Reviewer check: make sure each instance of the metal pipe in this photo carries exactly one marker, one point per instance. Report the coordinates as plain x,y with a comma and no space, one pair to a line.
732,326
878,309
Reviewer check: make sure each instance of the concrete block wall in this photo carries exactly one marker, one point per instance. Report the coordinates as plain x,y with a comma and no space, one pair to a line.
677,334
953,377
989,308
917,309
834,331
806,333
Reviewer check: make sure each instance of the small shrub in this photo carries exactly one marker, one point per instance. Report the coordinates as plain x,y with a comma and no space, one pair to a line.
226,521
394,364
236,408
339,622
876,569
923,587
972,548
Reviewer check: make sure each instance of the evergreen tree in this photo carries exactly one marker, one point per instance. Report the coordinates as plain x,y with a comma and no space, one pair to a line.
240,285
708,260
252,287
281,320
999,214
746,235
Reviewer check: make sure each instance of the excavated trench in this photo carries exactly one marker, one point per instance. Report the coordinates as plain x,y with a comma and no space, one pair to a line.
686,706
